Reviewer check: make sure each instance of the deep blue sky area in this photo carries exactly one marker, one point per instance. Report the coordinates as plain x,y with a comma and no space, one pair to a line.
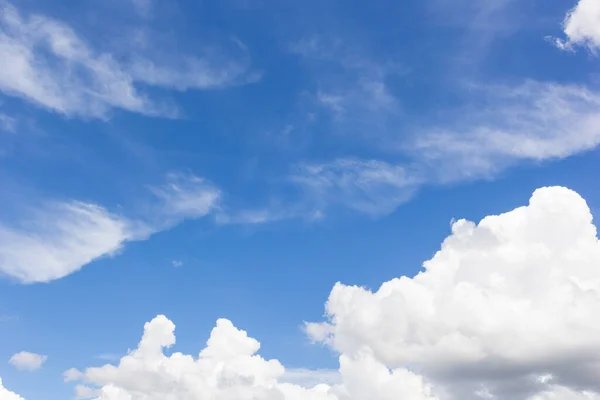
235,159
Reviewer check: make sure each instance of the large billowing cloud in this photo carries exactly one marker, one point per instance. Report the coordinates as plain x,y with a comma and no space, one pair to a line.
5,394
506,309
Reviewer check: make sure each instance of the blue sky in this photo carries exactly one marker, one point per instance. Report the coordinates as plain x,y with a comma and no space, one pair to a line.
235,159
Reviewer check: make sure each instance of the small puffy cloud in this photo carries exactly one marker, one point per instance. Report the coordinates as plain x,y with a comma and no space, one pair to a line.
5,394
26,361
369,186
504,310
582,26
177,263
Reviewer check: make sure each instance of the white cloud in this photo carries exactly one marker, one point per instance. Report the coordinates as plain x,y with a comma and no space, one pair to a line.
509,125
582,26
193,73
59,238
186,196
5,394
503,304
504,310
49,64
177,263
498,127
228,368
372,187
535,121
26,361
310,378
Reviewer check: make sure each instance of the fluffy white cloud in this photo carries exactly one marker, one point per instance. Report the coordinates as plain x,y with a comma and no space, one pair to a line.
5,394
228,368
582,26
27,361
504,310
59,238
372,187
48,63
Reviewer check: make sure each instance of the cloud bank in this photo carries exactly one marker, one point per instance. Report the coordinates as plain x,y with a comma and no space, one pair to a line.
504,310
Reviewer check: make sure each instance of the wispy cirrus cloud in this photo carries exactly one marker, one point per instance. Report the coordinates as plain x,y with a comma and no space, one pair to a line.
52,66
368,186
7,123
58,238
507,126
535,121
351,86
493,127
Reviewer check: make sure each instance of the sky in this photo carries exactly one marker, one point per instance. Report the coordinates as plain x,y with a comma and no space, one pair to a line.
318,200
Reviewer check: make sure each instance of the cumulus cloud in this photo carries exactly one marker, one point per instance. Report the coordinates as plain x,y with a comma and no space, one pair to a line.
59,238
228,368
504,310
26,361
5,394
49,64
582,26
372,187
